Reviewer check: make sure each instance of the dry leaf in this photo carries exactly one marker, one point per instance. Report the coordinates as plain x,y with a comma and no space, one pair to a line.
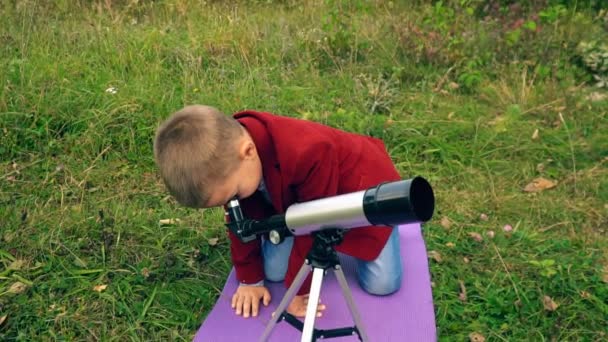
463,292
169,221
476,337
451,115
213,241
17,288
549,304
145,272
450,245
540,184
100,288
2,319
476,236
453,85
435,256
445,222
585,294
535,134
466,260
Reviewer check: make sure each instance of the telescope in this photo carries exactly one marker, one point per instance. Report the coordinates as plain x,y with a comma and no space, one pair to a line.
389,204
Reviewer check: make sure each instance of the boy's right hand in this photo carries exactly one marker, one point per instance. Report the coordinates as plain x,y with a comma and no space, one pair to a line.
246,299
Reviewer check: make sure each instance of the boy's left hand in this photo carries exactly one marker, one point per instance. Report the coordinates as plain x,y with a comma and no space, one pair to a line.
297,307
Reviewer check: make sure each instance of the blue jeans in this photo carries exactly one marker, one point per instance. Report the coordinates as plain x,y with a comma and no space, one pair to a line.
381,276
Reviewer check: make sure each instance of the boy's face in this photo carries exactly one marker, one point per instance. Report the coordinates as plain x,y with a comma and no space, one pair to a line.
244,181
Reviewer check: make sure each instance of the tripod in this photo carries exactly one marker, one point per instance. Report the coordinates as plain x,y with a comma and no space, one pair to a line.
322,257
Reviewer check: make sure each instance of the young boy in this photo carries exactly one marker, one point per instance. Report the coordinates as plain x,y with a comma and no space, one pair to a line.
270,162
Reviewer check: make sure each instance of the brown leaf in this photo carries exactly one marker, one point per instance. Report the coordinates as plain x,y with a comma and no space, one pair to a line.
585,294
100,288
476,236
463,292
535,134
549,304
213,241
466,260
540,184
2,319
435,256
476,337
168,222
145,272
450,115
17,288
445,222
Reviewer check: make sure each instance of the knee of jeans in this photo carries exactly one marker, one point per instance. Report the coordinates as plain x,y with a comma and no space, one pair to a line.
273,275
382,286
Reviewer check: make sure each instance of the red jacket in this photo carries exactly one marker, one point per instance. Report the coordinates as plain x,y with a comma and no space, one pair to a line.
303,161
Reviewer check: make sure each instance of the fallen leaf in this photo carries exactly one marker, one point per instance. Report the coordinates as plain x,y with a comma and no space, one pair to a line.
585,294
17,288
466,260
100,288
453,85
450,245
549,304
476,337
213,241
476,236
167,222
484,217
2,319
450,115
435,256
145,272
540,184
535,134
463,292
445,222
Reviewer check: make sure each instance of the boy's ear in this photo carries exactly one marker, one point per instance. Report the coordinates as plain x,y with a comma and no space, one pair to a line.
247,149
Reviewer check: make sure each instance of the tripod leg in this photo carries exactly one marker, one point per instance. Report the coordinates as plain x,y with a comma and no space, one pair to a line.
350,302
297,282
313,302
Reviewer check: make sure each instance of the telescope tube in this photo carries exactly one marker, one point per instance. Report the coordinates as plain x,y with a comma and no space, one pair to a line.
389,204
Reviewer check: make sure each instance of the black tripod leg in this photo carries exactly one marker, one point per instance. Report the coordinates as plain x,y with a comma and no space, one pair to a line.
351,303
297,282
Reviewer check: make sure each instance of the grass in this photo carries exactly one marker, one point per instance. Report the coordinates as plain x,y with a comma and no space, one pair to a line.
457,99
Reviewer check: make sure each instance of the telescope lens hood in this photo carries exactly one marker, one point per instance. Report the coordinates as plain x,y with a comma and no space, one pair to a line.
400,202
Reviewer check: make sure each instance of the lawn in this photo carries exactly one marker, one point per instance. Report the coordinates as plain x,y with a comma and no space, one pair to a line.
502,107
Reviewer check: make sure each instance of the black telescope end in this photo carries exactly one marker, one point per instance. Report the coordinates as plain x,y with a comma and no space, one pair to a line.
422,198
399,202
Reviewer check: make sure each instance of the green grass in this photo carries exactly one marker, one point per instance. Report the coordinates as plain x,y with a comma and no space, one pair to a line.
456,99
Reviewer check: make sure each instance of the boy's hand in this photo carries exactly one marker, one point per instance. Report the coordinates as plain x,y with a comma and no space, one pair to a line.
297,307
246,299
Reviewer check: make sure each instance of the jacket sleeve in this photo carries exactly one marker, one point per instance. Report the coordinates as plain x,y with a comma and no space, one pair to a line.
246,258
316,176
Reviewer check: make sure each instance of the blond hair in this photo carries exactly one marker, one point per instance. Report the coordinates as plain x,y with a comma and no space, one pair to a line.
195,147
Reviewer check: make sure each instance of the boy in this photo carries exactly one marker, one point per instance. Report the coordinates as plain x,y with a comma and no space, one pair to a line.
270,162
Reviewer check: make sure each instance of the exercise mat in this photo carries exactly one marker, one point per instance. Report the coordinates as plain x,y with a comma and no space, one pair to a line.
407,315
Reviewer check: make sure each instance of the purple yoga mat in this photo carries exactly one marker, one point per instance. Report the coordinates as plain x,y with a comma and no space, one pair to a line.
406,315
